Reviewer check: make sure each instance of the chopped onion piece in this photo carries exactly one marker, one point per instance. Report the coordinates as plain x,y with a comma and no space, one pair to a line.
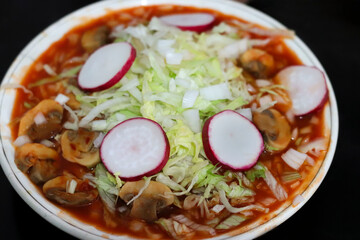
216,92
189,98
294,134
294,158
173,58
97,142
246,112
278,190
262,83
265,100
61,99
250,88
310,161
39,118
98,125
234,49
298,199
318,144
192,118
71,186
21,140
218,208
47,143
290,116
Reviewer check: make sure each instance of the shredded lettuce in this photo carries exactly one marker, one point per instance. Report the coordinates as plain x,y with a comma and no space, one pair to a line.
107,186
258,171
230,222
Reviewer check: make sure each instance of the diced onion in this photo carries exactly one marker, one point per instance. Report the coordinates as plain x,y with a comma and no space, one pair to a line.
265,100
215,92
318,144
298,199
290,116
61,99
250,88
71,186
189,98
234,49
97,142
294,158
98,125
192,118
173,58
47,143
21,140
310,161
218,208
39,118
294,134
164,46
246,112
262,83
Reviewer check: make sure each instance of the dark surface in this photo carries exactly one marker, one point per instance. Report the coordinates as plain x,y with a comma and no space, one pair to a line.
332,31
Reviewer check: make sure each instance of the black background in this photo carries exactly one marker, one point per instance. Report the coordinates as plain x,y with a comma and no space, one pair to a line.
331,28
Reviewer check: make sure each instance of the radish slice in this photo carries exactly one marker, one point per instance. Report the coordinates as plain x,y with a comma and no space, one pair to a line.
306,86
197,22
135,148
232,141
106,66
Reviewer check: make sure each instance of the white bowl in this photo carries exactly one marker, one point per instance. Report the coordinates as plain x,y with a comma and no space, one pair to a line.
39,44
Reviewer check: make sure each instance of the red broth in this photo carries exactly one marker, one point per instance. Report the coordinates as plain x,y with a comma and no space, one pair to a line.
69,46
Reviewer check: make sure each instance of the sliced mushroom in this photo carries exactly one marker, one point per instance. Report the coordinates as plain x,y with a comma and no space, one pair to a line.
56,190
258,62
154,198
53,113
274,127
78,147
39,161
95,38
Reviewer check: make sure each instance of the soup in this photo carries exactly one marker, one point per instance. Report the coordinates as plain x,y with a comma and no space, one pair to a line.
78,138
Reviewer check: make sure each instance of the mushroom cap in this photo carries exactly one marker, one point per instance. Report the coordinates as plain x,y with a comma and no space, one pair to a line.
52,111
77,147
39,161
154,198
258,62
274,127
55,189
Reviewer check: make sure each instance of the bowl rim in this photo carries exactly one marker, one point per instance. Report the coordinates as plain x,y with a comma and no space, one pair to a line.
70,227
